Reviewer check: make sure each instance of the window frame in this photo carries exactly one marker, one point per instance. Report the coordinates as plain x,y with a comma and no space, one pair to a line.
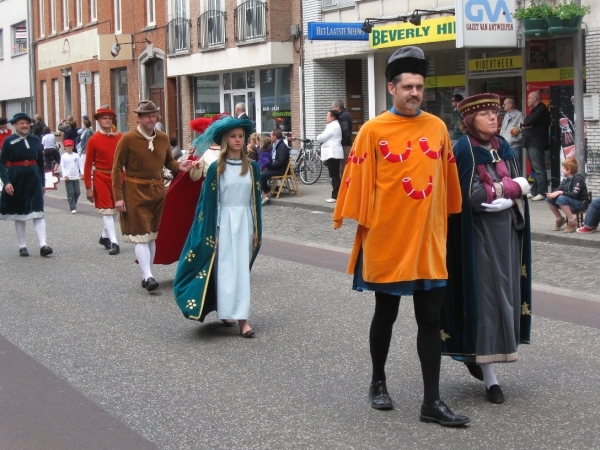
52,17
42,7
78,13
1,44
65,10
118,17
93,11
18,49
150,12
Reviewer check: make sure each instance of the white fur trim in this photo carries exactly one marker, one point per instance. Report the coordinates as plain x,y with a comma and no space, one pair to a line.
33,215
137,238
106,211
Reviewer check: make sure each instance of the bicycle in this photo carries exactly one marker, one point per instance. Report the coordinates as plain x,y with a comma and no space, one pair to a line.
307,165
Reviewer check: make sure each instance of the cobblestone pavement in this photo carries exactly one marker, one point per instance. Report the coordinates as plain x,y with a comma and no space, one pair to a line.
554,266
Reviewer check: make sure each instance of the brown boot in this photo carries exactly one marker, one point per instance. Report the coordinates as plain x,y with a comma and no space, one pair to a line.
570,227
559,223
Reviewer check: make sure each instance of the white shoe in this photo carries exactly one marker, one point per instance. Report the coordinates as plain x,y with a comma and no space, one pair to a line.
530,195
265,200
74,211
330,200
537,198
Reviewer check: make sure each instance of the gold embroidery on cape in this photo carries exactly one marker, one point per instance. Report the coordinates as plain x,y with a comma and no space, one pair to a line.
445,336
524,271
210,241
525,311
213,185
201,274
201,216
190,255
191,304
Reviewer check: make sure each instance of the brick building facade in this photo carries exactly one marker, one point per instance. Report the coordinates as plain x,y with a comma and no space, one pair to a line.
66,41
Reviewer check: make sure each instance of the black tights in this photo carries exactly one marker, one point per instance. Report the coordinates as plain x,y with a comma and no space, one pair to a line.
428,306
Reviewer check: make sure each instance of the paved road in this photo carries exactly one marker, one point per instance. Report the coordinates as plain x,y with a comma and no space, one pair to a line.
90,360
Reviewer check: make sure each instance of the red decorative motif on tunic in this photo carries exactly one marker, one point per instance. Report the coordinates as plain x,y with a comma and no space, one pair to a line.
425,147
348,181
354,159
451,158
393,157
417,195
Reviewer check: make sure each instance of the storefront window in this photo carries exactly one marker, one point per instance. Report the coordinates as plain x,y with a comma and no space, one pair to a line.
120,98
206,96
239,80
550,53
275,99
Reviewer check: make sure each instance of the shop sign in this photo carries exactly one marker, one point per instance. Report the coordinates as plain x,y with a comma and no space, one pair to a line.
499,63
559,74
485,23
398,35
444,81
21,35
77,47
336,31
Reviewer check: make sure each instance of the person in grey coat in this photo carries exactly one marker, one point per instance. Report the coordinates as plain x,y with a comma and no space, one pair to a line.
511,130
535,140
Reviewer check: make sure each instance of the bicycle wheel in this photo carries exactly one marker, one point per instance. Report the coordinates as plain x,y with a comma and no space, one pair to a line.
310,171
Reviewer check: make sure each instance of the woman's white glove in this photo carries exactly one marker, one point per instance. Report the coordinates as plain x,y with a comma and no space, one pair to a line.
525,188
498,205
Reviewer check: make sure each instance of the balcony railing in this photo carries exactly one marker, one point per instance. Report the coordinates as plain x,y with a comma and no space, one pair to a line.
179,36
211,29
250,21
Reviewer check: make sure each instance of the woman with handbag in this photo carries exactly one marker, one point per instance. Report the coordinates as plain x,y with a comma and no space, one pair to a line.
332,152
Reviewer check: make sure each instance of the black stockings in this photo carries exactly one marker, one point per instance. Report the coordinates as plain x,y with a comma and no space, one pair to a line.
428,306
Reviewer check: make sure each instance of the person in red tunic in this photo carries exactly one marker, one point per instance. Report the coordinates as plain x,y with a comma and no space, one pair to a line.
100,153
4,130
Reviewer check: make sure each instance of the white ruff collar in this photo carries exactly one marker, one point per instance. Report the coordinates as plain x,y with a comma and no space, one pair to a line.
148,138
19,139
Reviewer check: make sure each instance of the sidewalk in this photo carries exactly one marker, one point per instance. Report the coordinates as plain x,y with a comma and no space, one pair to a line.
313,197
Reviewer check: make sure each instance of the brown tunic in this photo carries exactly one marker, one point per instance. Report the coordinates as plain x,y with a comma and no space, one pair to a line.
143,189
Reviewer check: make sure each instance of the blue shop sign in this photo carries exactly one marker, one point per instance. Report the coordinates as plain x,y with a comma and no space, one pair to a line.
336,31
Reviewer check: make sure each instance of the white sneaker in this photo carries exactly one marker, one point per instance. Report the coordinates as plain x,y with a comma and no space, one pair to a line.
330,200
265,200
537,198
530,195
74,211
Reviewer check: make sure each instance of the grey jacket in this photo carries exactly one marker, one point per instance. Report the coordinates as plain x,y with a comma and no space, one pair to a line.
515,120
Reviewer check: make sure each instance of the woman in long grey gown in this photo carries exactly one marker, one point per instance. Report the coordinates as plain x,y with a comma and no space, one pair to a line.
487,311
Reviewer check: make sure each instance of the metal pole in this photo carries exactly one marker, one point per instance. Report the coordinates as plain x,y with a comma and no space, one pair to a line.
31,49
578,91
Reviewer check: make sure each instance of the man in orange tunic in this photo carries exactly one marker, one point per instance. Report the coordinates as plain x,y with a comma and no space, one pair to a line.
100,153
400,184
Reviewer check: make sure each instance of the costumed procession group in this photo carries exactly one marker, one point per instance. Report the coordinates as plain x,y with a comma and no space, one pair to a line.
447,226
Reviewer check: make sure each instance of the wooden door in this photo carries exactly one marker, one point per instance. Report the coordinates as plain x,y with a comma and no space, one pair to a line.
354,94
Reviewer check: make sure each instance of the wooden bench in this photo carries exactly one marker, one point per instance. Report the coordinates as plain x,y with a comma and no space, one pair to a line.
287,181
579,215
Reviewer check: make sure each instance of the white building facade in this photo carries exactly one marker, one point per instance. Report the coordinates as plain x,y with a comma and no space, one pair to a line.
15,58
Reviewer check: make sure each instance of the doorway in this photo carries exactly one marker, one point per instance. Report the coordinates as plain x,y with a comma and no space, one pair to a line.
155,76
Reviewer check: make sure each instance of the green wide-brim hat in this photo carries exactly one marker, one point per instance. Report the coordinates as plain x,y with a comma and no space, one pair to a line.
217,130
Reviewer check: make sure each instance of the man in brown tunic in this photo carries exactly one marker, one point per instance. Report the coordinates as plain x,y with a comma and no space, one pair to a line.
140,198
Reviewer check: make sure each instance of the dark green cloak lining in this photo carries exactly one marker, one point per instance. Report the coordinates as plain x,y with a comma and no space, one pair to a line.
194,286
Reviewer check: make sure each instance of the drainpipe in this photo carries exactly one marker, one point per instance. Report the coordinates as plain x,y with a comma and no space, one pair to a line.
578,88
31,57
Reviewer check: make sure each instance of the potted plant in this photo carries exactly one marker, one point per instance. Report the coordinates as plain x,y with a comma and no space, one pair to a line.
566,18
533,19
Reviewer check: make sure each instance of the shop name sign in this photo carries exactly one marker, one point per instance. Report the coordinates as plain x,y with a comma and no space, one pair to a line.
501,63
485,23
336,31
432,30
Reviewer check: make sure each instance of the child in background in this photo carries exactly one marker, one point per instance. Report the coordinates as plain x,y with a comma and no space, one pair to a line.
71,168
570,197
264,157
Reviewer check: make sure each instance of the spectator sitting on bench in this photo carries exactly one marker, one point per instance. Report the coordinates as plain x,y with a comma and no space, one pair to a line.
571,196
592,218
280,156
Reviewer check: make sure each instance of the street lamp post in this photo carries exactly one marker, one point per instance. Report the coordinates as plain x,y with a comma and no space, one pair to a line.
578,92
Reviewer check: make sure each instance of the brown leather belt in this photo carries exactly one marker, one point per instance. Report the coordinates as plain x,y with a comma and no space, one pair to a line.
102,170
29,162
143,180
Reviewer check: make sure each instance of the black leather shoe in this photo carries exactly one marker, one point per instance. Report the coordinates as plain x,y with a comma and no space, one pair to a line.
151,284
45,251
105,242
438,412
144,284
475,370
378,394
23,252
494,394
114,249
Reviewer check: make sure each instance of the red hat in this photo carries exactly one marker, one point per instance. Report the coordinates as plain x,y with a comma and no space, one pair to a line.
104,112
200,124
68,142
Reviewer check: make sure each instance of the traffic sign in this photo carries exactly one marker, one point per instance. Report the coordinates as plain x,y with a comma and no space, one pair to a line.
85,77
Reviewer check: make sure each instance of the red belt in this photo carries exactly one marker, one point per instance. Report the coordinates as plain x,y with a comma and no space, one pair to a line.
29,162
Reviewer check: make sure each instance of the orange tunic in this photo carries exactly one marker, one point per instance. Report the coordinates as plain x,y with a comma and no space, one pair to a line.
100,153
400,183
